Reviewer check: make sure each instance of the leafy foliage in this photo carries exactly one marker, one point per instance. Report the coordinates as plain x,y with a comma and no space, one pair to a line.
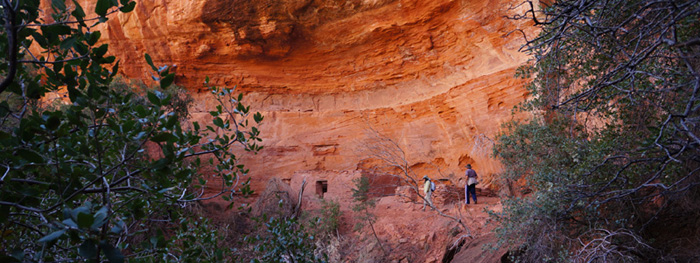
611,151
330,217
179,104
106,175
286,240
364,203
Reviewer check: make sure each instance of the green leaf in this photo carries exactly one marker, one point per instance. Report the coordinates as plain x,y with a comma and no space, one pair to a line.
53,236
128,7
100,218
4,213
73,93
218,122
240,108
153,98
150,62
113,254
88,249
70,222
195,124
78,13
172,120
94,37
109,59
8,259
167,80
102,6
58,4
94,92
67,212
85,220
40,39
52,32
258,117
30,156
18,254
117,229
115,70
79,210
81,48
163,71
99,51
57,29
68,43
4,135
162,137
26,32
154,241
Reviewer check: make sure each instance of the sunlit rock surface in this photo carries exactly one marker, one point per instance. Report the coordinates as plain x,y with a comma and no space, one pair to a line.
435,76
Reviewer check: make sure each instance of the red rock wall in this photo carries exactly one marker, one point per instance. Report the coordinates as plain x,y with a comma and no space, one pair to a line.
436,76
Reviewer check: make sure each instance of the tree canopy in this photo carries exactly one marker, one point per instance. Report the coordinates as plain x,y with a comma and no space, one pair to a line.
611,152
106,173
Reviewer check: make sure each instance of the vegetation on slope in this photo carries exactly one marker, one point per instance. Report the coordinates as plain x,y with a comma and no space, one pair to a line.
612,151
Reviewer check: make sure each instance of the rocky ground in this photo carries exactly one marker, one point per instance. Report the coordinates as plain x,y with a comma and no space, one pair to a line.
410,234
426,236
406,233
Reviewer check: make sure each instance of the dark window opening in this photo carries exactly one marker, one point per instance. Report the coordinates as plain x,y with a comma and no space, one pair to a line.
287,181
321,188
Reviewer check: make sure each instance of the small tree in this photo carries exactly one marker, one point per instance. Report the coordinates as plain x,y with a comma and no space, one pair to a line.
330,217
364,203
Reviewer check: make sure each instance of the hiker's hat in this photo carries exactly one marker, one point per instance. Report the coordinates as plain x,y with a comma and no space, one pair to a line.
425,177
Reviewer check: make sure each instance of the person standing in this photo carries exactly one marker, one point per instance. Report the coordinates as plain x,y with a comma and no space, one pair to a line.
428,188
470,186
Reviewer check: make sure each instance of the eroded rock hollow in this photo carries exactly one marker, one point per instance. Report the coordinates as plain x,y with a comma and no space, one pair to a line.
434,76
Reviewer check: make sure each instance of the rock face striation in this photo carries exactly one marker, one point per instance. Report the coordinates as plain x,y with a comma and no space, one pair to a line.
436,77
334,79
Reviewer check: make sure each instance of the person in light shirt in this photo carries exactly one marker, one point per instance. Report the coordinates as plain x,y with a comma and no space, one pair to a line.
428,188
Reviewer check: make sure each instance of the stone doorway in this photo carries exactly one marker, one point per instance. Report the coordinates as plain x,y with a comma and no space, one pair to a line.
321,187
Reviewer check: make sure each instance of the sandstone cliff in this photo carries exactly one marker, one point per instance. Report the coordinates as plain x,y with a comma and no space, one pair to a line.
435,76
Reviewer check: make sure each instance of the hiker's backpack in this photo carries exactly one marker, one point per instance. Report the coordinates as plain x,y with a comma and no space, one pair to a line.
432,186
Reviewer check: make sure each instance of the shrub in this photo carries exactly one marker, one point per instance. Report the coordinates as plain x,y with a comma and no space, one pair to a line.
330,217
106,176
286,240
612,143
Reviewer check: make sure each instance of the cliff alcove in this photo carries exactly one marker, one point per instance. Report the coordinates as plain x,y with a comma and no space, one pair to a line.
436,77
347,131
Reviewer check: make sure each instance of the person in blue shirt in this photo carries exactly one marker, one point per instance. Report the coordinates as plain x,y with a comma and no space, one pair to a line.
470,186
